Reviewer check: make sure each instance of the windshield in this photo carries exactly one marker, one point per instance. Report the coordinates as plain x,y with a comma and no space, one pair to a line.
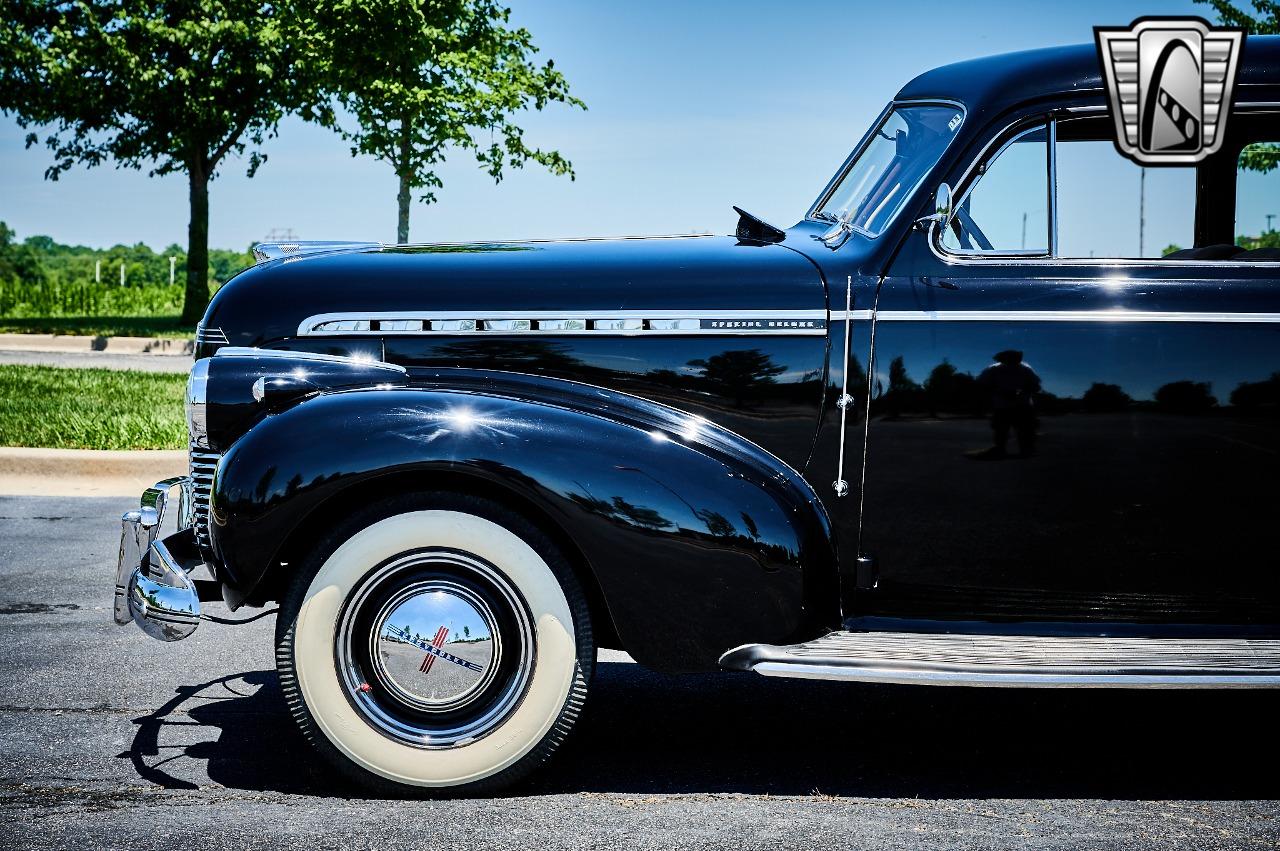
904,147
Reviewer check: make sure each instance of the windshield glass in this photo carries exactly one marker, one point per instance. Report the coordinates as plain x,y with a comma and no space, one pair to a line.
905,146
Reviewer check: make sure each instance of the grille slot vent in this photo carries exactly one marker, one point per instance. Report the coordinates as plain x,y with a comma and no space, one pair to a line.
203,464
210,336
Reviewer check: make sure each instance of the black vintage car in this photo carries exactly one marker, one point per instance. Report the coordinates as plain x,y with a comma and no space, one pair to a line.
1030,437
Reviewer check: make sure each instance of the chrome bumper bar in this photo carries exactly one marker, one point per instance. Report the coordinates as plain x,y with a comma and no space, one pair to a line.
152,587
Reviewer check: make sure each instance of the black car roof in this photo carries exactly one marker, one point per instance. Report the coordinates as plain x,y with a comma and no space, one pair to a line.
996,83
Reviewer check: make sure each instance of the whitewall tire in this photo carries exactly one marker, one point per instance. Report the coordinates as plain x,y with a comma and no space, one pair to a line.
437,642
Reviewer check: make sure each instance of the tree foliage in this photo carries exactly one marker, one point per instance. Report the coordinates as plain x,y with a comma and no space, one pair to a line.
166,85
1264,19
422,77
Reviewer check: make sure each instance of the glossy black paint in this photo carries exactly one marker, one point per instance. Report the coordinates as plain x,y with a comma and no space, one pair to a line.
264,304
697,539
1147,491
233,410
1137,514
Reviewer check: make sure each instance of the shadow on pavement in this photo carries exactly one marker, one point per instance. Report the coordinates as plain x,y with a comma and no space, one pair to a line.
647,733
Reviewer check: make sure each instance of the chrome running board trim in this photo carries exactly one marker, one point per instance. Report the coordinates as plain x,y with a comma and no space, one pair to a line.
1018,661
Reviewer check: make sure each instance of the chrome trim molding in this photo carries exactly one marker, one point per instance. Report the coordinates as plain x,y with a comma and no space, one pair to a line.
210,336
315,357
866,139
908,676
196,406
969,176
1033,661
841,485
561,322
203,464
1063,316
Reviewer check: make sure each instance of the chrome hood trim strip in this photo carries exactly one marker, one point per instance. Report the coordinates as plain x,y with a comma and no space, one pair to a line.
596,322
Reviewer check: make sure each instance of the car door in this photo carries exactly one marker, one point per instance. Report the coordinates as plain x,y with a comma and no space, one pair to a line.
1074,393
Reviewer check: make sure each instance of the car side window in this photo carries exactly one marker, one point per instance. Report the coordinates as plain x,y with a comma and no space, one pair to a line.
1007,209
1110,207
1258,201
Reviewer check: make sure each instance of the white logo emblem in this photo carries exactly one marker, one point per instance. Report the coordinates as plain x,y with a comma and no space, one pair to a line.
1169,83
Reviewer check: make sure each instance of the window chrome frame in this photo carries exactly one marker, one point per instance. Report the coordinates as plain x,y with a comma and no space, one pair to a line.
973,176
862,145
1013,258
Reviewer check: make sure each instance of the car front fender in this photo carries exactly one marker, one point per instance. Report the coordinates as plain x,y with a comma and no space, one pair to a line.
697,539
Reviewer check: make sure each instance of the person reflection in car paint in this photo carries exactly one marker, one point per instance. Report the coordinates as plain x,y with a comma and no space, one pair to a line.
1011,387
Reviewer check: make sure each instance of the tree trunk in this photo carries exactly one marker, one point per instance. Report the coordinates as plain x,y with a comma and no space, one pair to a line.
406,191
197,295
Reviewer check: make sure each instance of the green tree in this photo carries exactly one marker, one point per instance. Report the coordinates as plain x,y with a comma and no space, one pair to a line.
18,261
421,78
173,86
1263,20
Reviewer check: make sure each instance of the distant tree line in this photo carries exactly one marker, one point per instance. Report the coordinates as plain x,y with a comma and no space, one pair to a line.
40,277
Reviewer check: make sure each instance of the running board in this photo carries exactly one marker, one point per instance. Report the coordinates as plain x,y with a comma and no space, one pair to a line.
1018,660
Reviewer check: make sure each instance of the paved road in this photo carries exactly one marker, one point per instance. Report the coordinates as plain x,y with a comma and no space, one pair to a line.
101,360
110,738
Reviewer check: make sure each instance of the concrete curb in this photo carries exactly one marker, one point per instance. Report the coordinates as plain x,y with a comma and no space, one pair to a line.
85,472
85,343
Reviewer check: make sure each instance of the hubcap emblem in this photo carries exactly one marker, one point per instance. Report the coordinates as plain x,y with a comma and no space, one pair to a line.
435,645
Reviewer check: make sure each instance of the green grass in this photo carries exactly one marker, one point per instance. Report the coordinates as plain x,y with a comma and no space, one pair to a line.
99,326
91,408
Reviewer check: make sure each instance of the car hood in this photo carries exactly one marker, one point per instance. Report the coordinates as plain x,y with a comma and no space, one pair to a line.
268,302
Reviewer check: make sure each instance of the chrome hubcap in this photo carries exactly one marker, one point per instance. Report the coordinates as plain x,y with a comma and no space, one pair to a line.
435,648
434,644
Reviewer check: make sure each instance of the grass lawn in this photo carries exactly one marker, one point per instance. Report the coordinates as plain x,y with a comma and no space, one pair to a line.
91,408
104,326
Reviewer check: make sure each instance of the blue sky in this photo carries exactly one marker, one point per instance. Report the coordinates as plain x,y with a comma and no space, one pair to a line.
693,106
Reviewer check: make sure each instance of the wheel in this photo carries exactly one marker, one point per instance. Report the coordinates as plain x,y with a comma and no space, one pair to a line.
435,642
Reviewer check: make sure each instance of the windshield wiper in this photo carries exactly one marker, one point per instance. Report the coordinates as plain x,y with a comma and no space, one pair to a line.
824,216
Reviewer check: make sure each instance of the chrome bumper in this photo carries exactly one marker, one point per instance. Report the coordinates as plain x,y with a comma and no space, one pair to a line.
152,586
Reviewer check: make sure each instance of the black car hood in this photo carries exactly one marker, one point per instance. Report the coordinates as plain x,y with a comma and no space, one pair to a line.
268,302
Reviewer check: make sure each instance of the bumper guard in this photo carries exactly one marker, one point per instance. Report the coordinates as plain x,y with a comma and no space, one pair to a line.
153,588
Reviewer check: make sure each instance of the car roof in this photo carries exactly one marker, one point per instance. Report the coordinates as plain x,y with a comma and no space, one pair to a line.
995,83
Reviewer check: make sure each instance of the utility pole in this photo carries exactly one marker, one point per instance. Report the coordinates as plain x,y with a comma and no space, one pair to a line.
97,271
122,273
172,262
1024,229
1142,212
1270,216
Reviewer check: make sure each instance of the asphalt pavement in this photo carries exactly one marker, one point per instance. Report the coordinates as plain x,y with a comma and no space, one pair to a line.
111,739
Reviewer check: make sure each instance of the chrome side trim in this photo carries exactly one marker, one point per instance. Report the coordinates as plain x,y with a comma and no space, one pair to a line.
906,676
841,485
1063,316
286,354
561,322
1034,661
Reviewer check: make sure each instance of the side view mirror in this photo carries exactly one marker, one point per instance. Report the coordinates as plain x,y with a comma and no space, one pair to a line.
942,208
